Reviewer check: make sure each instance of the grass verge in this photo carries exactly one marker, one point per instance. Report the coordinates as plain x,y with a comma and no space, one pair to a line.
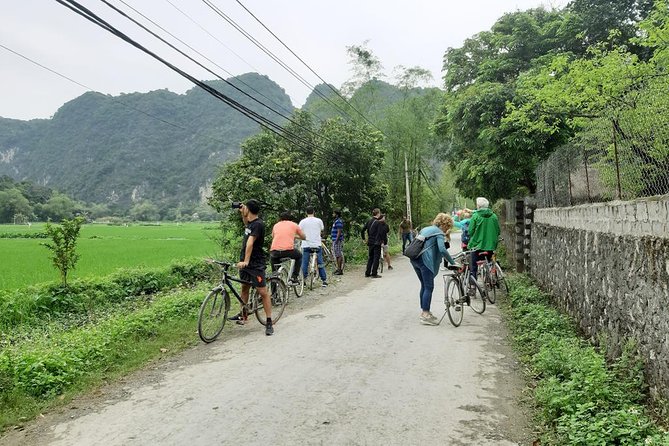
581,398
36,376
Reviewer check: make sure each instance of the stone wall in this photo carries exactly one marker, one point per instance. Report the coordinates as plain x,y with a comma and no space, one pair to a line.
607,265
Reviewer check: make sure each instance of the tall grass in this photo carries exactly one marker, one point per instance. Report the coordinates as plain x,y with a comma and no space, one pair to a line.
104,249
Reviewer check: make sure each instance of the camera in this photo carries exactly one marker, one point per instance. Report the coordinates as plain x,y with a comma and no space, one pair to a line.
236,205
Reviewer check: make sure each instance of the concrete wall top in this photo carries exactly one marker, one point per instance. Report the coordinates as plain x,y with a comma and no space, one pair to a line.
640,217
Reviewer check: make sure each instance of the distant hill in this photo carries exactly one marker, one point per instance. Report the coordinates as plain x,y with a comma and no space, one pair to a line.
99,149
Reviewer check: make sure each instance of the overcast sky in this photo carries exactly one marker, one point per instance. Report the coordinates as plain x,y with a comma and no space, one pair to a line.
405,33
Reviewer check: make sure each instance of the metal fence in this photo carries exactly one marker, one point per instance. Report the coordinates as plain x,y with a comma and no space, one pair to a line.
610,159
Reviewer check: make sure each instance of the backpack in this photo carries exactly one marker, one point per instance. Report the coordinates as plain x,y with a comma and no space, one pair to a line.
464,237
417,246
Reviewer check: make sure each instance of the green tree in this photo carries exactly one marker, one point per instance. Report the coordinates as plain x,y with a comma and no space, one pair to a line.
58,207
63,245
12,203
145,211
336,165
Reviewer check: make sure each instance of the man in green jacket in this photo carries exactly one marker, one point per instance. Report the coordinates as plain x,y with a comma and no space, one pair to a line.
483,233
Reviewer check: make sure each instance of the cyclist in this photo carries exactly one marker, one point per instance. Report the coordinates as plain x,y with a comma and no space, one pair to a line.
483,234
284,234
312,227
337,235
252,262
427,264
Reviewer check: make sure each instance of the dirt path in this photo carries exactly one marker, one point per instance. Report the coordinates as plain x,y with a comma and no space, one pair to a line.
350,365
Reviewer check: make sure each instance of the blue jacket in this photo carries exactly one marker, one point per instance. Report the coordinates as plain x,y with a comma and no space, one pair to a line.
434,249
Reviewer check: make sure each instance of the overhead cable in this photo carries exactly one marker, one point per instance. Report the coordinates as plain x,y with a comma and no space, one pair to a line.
307,65
274,57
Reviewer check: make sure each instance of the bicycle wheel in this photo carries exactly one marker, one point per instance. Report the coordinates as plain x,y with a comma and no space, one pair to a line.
312,271
299,288
477,301
490,285
453,300
502,284
278,296
213,314
381,264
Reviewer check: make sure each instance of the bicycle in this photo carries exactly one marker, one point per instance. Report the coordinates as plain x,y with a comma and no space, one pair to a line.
216,305
286,272
456,294
491,275
312,270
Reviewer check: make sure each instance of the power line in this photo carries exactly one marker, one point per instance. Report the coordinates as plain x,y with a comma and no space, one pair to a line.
223,44
200,64
273,56
307,65
264,122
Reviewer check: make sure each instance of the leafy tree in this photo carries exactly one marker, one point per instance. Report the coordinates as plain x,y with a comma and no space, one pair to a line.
58,207
145,211
63,245
12,202
337,166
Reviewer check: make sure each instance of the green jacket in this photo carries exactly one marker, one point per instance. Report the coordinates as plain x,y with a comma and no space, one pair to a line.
483,230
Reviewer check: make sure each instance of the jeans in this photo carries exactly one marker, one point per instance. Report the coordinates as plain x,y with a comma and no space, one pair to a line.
426,283
407,237
373,257
306,255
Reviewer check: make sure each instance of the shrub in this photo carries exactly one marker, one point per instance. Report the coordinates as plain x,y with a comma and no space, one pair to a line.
583,400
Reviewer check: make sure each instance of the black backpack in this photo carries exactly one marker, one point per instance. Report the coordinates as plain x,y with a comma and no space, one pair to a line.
417,246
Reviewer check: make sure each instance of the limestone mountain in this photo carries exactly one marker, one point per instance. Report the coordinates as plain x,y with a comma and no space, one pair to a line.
117,150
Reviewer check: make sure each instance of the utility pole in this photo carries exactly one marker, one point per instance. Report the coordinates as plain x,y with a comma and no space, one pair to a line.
406,181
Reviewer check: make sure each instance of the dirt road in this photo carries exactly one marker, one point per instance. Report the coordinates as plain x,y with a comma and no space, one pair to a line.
352,366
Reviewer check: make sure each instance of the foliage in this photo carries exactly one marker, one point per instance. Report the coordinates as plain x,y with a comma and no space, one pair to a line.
43,302
583,400
63,245
338,169
523,89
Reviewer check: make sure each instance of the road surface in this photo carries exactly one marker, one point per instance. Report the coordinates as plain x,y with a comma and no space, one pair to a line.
348,366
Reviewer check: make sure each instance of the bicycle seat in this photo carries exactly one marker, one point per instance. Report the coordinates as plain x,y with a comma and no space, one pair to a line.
313,249
284,259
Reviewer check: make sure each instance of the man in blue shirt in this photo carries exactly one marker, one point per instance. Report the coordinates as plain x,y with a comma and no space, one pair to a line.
337,235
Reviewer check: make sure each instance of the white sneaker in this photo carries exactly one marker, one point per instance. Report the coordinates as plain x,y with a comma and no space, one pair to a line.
430,319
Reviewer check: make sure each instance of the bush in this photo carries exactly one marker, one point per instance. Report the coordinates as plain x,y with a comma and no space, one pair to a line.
33,303
583,400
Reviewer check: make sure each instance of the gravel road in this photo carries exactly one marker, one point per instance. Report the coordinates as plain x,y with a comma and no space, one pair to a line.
350,365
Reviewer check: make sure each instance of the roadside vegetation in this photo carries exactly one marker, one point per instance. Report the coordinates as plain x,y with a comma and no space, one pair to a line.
581,398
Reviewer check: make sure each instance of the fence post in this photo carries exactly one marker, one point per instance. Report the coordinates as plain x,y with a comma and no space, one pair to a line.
615,153
587,176
571,198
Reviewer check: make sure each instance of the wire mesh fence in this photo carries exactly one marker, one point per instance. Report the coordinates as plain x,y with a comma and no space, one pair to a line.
613,158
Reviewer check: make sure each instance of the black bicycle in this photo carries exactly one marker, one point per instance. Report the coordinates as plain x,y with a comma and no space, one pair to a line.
457,285
215,307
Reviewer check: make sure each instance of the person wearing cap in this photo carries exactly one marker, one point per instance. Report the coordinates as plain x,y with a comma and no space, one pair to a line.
252,262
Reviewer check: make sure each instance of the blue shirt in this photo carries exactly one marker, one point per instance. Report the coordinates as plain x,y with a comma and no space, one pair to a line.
337,225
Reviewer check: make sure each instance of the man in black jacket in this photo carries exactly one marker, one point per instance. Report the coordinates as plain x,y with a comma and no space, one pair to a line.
374,242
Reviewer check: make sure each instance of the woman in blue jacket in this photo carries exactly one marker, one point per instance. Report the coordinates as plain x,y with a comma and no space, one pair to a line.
427,264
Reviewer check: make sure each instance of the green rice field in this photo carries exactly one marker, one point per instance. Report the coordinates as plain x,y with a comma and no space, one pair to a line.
104,249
